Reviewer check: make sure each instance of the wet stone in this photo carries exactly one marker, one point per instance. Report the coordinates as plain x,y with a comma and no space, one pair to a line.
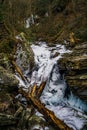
74,65
7,80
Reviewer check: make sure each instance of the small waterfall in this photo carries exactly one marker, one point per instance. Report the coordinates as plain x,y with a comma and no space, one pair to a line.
68,108
29,21
71,109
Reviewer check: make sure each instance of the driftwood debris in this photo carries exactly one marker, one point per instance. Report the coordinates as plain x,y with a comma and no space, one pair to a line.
48,114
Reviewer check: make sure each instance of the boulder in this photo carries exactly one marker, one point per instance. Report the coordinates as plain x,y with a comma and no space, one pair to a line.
24,57
8,81
74,65
6,120
5,101
5,62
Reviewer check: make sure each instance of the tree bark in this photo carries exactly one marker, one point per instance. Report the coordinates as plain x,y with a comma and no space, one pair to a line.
17,68
40,89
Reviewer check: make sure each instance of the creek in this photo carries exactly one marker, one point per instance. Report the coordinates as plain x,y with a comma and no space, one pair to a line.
56,95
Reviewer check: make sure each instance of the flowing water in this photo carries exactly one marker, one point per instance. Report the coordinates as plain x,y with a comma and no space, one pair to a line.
55,96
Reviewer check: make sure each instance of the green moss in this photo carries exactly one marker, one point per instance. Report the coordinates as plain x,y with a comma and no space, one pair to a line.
1,17
82,34
1,13
31,36
4,96
6,46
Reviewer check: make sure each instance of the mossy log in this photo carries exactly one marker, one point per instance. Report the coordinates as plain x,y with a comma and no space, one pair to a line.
48,114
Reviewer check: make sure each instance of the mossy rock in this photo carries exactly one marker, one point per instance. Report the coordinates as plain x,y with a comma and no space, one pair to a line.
78,85
5,101
36,121
82,33
74,65
7,120
24,56
7,46
8,81
76,60
5,61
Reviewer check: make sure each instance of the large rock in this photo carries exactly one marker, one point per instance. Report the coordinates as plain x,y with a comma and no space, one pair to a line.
24,57
5,62
7,80
74,65
6,120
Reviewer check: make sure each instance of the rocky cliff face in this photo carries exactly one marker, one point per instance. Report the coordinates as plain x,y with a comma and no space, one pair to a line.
24,58
74,65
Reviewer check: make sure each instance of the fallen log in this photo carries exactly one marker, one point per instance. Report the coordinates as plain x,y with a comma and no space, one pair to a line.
17,68
48,114
33,91
40,89
36,92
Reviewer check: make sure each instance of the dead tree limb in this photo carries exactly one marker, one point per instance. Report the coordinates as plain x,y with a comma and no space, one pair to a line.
40,89
36,92
48,114
33,91
17,68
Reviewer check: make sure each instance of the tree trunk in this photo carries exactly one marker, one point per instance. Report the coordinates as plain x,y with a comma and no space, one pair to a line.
40,89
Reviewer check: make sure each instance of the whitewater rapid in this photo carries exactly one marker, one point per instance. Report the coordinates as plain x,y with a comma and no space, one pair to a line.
65,105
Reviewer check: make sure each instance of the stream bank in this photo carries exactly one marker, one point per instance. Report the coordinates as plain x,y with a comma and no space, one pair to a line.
74,67
11,109
16,111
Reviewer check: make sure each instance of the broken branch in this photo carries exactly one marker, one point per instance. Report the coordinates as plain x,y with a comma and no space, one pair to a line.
40,89
17,68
